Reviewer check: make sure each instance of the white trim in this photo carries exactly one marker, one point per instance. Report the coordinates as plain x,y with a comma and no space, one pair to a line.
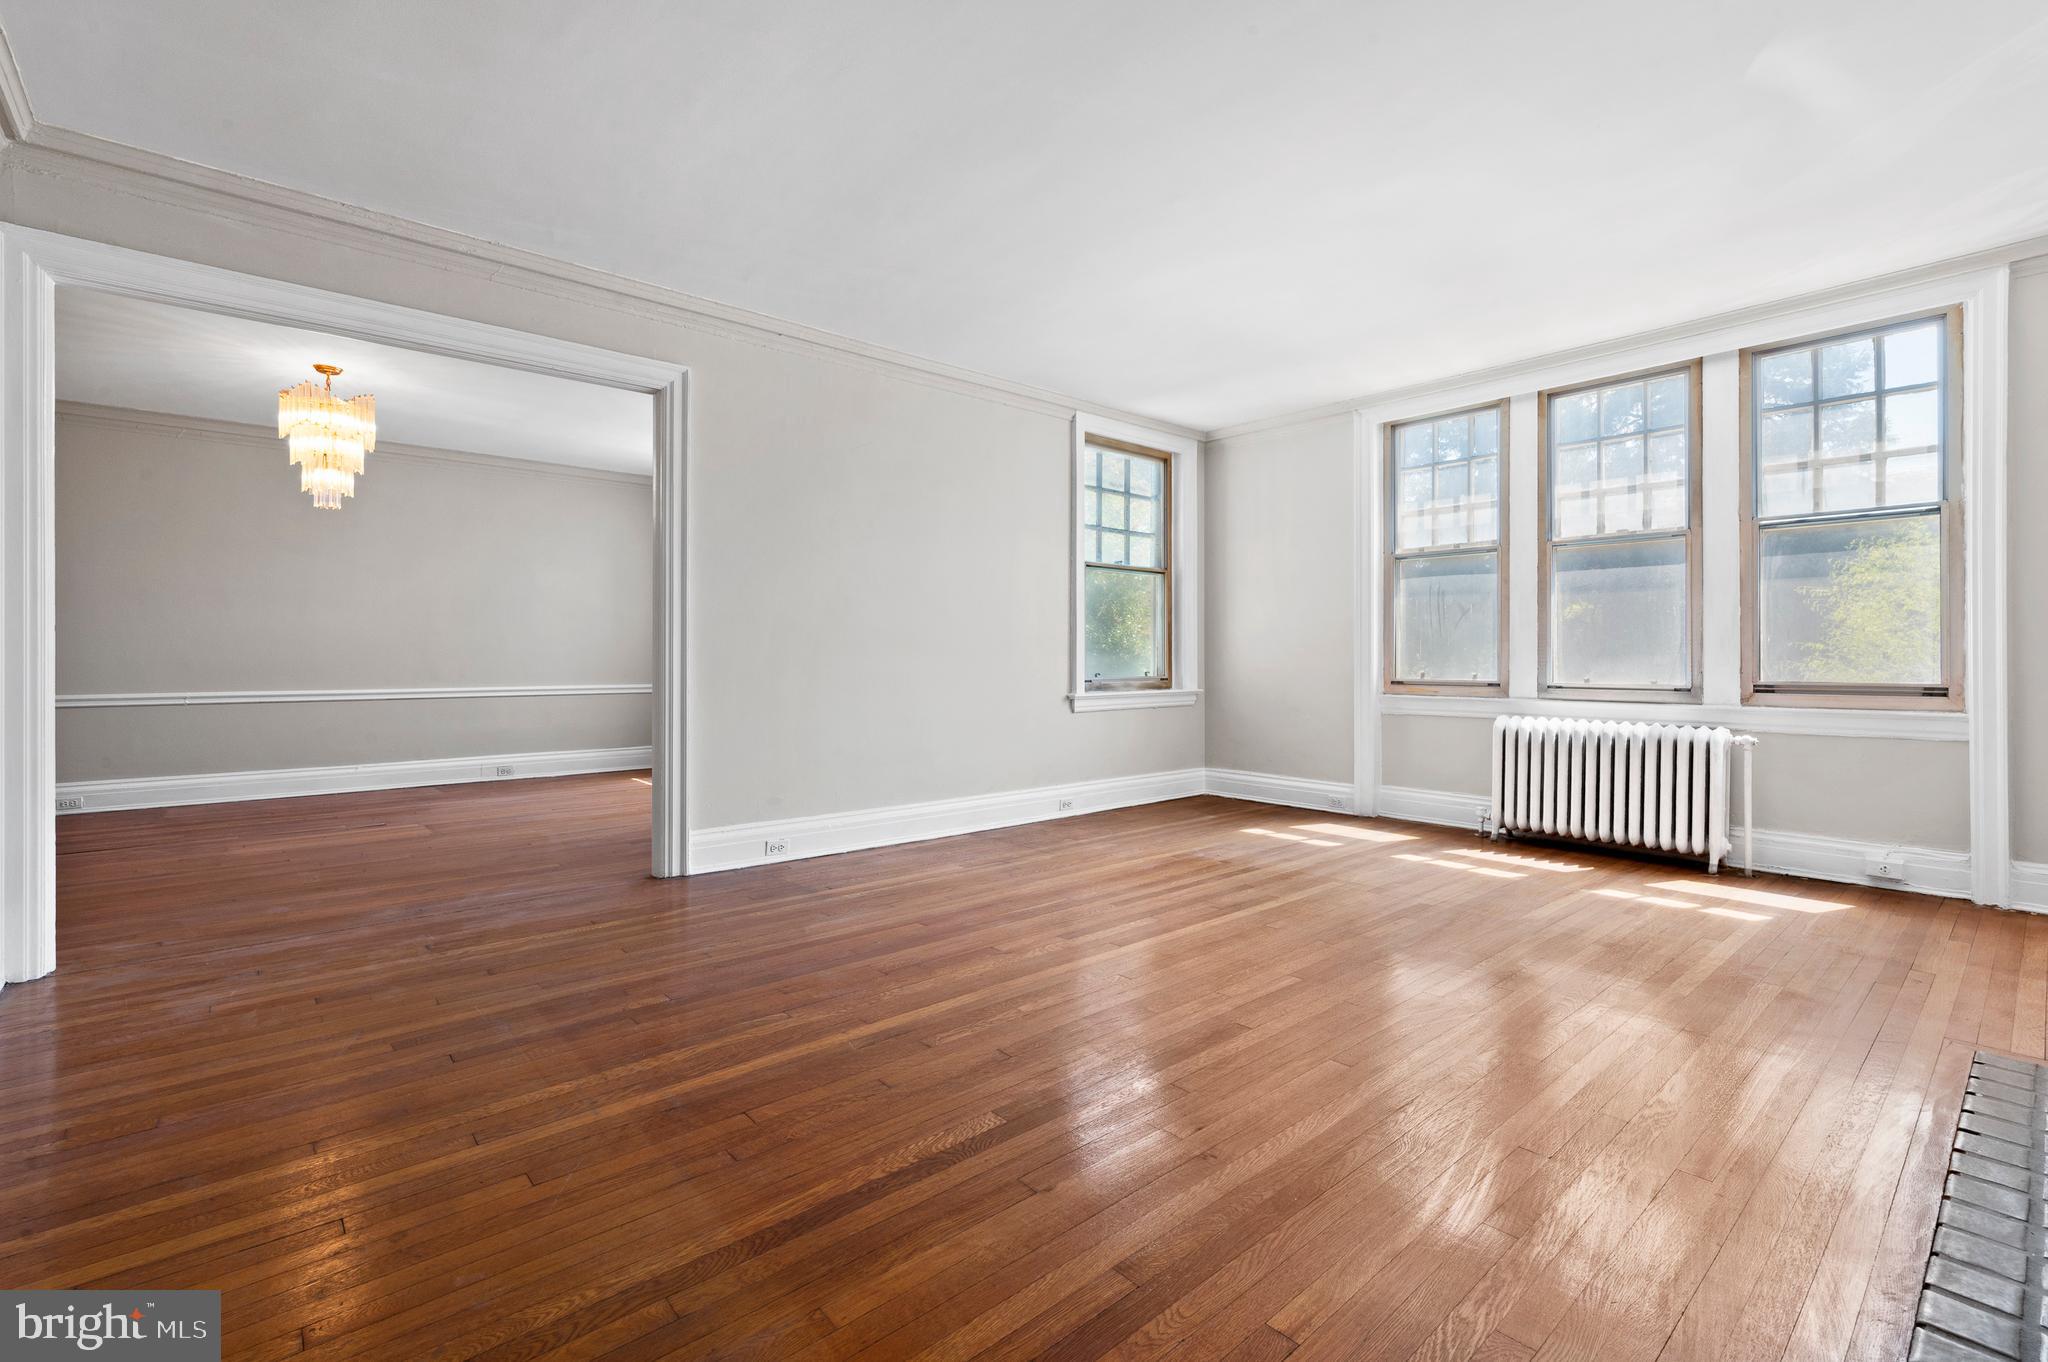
2030,886
1368,591
32,265
223,787
1986,622
1087,702
1328,796
155,699
1185,552
17,118
1926,870
1917,725
745,844
1445,808
265,437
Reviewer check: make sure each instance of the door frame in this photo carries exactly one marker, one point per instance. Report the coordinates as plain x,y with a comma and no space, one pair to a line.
33,265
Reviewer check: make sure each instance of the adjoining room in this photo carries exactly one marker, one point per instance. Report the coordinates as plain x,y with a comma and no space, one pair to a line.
871,681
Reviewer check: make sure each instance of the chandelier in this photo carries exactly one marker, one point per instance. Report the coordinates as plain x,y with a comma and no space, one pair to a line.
328,435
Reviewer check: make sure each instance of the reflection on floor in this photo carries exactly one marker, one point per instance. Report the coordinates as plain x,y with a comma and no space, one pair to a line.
441,1073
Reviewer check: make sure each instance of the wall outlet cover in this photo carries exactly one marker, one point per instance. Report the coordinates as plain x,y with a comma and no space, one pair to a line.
1066,806
502,771
775,846
70,803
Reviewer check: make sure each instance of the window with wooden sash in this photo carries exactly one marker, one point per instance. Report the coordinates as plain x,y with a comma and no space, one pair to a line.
1852,544
1619,613
1126,566
1445,620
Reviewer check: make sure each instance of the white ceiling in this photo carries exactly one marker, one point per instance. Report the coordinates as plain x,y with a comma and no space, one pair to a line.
1208,212
123,352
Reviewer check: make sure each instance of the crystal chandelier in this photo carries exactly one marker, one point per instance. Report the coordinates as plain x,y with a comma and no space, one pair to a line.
328,435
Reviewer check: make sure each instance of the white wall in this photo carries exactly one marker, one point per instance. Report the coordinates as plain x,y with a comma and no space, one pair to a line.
878,555
186,558
1280,600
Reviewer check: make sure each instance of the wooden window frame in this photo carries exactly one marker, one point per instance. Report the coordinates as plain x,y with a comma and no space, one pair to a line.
1950,695
1168,533
1390,501
1694,571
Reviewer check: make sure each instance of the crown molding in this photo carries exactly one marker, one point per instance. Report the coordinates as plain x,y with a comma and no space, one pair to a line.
64,153
17,119
2032,250
262,437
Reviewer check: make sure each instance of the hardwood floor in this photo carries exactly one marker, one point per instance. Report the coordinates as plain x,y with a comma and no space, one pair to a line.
439,1074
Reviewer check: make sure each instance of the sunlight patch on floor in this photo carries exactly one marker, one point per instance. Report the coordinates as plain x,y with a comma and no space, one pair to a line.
1291,837
1529,862
1485,870
1354,832
1759,898
1659,901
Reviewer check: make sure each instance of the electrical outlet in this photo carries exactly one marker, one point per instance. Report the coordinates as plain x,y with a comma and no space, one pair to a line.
1889,864
775,846
502,771
70,803
1066,806
1337,802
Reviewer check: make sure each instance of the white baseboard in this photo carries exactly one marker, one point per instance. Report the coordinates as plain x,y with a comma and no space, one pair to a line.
1926,870
2030,886
1326,795
744,844
1447,808
153,792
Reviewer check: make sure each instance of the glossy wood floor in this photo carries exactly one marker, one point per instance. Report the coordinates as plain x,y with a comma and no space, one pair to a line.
441,1075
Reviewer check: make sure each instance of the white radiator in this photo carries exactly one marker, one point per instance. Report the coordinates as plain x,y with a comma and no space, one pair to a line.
1663,787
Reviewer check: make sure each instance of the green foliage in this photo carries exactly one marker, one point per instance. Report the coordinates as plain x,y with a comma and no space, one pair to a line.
1878,609
1122,610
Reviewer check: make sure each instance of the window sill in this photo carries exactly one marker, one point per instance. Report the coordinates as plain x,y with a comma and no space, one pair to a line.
1088,701
1921,724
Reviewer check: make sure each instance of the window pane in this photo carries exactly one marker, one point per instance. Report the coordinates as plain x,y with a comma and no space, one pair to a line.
1486,432
1621,409
1143,476
1785,491
1125,625
1112,510
1785,380
1143,516
1577,515
1622,461
1848,487
1856,604
1848,368
1413,443
1783,436
1145,551
1912,420
1848,428
1578,466
1913,356
1113,469
1447,618
1668,401
1618,615
1114,549
1091,507
1453,438
1911,478
1575,417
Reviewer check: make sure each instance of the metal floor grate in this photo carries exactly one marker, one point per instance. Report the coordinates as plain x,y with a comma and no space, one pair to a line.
1981,1300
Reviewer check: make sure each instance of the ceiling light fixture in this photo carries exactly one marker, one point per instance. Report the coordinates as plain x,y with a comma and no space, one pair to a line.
328,436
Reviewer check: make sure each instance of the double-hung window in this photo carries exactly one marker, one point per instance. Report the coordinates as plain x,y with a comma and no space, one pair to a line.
1445,624
1620,596
1850,582
1126,566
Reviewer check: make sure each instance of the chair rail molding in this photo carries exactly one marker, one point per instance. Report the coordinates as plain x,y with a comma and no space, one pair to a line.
156,699
34,264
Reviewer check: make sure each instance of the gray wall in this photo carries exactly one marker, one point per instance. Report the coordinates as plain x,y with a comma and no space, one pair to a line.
2027,484
184,550
1279,509
878,557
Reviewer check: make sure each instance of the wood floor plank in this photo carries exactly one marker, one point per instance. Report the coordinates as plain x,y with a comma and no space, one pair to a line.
441,1074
